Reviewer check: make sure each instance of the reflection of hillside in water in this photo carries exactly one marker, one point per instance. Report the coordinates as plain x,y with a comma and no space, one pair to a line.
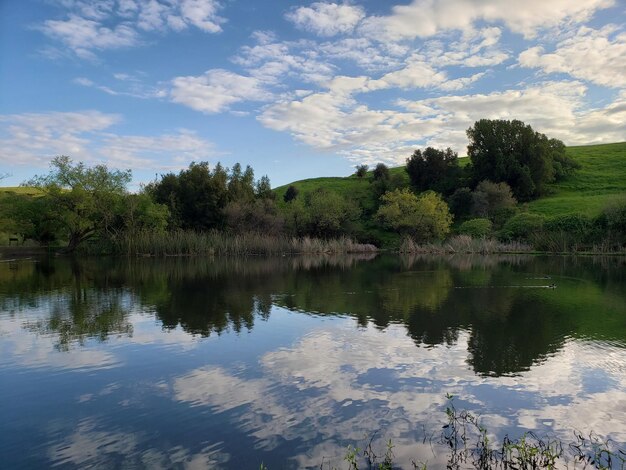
512,322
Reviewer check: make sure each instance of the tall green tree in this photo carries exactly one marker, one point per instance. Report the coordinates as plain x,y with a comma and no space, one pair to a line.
512,152
84,200
195,197
434,169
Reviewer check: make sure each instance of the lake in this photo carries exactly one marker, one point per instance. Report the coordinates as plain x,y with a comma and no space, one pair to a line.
217,363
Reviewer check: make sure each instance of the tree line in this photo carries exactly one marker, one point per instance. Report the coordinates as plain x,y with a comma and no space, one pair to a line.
509,163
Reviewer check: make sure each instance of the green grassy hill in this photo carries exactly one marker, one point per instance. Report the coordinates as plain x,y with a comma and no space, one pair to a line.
602,177
19,190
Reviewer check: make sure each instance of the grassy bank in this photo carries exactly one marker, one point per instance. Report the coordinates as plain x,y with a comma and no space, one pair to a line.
464,244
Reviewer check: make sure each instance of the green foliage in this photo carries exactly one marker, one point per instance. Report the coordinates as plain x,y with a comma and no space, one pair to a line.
263,189
82,200
493,201
241,184
291,193
461,203
259,216
140,212
29,217
425,217
329,214
381,172
522,226
434,169
614,214
476,228
296,217
195,197
361,171
198,196
512,152
575,224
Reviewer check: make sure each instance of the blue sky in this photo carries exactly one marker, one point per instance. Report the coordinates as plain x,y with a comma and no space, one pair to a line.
297,89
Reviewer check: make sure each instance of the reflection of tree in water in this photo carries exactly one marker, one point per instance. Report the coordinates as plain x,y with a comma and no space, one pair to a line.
79,305
510,328
84,314
202,306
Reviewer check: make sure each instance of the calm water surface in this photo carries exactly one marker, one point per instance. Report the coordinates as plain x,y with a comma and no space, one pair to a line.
196,363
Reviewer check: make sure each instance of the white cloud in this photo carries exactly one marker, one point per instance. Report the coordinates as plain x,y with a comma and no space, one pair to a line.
84,31
164,152
364,52
337,122
474,49
416,74
424,18
83,35
330,368
34,138
129,86
326,19
272,62
93,445
216,90
597,56
202,14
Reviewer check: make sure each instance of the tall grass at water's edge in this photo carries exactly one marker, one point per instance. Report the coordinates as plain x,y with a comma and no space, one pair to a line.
464,244
187,243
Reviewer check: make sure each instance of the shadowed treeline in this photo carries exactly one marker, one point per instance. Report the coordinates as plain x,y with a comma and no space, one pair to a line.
508,304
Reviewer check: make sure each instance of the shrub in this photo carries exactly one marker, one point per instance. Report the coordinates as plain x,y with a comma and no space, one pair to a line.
492,199
425,217
476,228
522,226
577,226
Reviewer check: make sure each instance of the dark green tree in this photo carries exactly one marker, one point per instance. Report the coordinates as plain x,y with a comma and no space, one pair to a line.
241,184
461,203
263,189
291,193
361,171
512,152
381,172
434,169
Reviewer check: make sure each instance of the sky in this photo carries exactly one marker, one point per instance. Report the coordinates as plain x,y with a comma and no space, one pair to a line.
297,89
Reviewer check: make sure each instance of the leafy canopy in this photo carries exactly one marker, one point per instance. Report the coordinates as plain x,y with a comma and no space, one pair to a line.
434,169
426,217
83,200
512,152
